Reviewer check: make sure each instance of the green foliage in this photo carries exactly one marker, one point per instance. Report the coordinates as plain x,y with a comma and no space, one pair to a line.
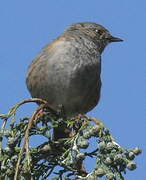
61,159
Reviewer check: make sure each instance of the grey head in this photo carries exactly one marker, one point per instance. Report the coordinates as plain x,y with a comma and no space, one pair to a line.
100,35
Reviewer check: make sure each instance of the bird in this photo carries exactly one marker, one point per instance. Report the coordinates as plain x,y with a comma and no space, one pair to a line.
67,71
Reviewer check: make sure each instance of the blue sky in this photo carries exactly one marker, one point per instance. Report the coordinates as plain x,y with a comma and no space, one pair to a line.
26,26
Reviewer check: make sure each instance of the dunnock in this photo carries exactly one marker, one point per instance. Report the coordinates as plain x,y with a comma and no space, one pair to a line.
67,71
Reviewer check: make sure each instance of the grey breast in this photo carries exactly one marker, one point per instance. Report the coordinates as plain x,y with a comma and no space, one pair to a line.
68,75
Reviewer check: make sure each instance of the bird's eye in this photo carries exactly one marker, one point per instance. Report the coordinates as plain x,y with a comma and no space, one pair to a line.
99,31
96,30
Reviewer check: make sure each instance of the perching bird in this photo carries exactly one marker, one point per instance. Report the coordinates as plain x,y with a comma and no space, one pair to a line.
68,69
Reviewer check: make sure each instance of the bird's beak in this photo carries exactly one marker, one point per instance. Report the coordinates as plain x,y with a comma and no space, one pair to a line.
114,39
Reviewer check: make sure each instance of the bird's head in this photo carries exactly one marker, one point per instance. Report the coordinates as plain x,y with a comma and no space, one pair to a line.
96,32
